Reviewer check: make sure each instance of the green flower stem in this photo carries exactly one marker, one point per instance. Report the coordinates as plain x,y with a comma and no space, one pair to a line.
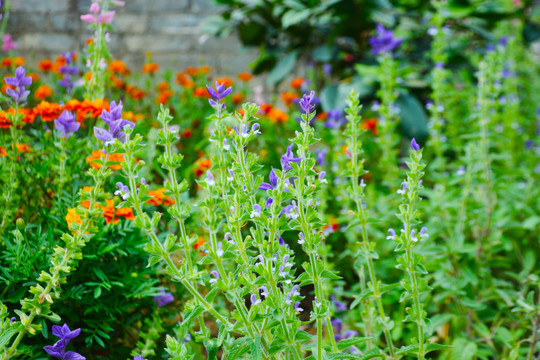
63,263
353,131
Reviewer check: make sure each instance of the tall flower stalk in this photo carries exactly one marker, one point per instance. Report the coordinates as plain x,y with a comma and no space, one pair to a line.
64,261
383,44
355,170
415,284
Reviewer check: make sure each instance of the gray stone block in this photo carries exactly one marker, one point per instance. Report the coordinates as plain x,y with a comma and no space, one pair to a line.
130,23
167,5
40,5
175,24
154,43
55,42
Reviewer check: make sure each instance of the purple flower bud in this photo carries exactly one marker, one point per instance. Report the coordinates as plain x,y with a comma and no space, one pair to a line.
384,41
214,274
164,299
414,145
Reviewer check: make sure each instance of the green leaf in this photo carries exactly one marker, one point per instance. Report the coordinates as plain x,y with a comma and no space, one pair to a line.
282,69
6,335
434,347
256,352
413,117
344,344
192,315
293,17
463,350
327,274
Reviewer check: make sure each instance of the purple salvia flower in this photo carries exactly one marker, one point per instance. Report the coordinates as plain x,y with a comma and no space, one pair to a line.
282,242
58,350
254,300
392,235
163,299
255,128
140,357
306,102
285,259
218,94
228,239
269,202
384,41
335,119
187,338
225,145
273,182
288,158
414,145
321,154
321,177
439,65
424,233
256,211
302,238
288,300
261,260
230,177
116,124
337,324
340,306
297,307
264,291
413,237
20,81
210,180
317,303
327,69
219,251
66,124
214,274
403,189
282,272
123,190
63,332
294,290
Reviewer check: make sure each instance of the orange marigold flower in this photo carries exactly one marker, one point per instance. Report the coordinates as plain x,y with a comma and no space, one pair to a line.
126,212
35,78
135,92
276,115
43,92
202,166
96,154
118,67
191,71
227,81
6,62
150,68
371,125
241,113
3,152
245,76
48,111
199,243
159,198
266,108
288,97
187,133
45,65
119,83
19,61
296,83
205,69
23,148
4,122
322,116
129,115
162,86
237,98
72,216
201,92
164,97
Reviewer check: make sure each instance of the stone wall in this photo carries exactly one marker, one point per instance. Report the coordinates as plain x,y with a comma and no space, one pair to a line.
170,29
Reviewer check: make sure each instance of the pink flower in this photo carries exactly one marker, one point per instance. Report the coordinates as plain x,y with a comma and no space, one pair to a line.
8,43
94,8
105,18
